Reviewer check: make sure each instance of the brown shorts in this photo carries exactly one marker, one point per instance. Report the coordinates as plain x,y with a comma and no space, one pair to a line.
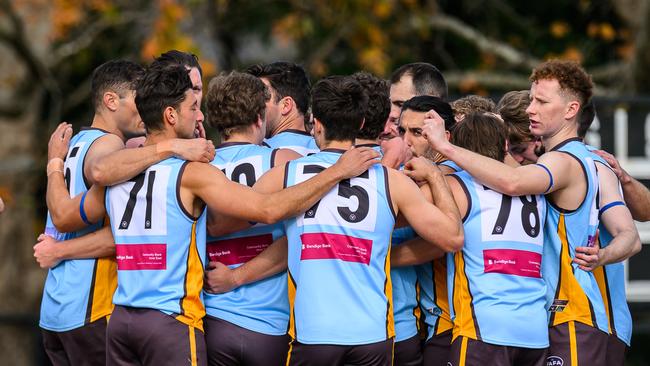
574,343
436,349
373,354
138,336
408,352
470,352
616,350
229,344
81,346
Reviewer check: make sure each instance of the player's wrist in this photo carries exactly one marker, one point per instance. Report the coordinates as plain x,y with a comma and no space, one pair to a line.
54,165
166,149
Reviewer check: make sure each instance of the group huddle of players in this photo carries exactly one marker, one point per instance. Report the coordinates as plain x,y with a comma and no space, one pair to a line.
356,221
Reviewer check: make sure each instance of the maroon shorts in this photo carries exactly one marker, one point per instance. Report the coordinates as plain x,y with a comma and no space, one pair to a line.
436,349
82,346
616,350
470,352
373,354
229,344
408,352
574,343
137,336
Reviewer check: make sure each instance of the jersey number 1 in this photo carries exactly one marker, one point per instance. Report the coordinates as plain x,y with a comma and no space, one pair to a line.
133,196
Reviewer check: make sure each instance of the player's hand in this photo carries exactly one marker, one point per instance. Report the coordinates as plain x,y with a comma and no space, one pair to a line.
219,278
135,142
59,141
355,161
433,129
198,149
45,251
616,167
589,258
396,152
199,131
420,169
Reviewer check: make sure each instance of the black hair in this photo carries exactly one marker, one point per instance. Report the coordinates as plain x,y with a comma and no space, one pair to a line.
288,79
427,79
118,76
177,57
339,103
162,86
378,105
425,103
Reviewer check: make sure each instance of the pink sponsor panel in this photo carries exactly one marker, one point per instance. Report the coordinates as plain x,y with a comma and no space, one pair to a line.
513,262
141,256
335,246
238,250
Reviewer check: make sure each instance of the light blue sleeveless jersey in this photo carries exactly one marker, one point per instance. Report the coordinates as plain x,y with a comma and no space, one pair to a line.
160,247
339,258
495,284
299,141
611,280
573,294
451,164
69,297
405,283
262,306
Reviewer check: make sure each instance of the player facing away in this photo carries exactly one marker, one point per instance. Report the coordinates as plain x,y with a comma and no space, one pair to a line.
338,255
158,223
567,175
287,110
496,291
247,325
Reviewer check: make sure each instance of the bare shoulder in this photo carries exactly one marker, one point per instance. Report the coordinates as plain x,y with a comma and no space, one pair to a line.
284,155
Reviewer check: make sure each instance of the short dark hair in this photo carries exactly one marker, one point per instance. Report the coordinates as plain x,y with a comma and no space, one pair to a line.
288,79
177,57
427,79
162,86
512,109
378,105
235,101
339,103
425,103
118,76
586,117
482,133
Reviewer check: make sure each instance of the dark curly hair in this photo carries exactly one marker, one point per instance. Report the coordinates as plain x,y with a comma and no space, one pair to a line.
472,104
378,104
288,79
162,86
118,76
339,103
235,101
425,103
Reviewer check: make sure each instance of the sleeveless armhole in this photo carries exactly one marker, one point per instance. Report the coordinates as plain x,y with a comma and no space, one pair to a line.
178,193
83,163
467,195
387,188
586,177
273,153
286,175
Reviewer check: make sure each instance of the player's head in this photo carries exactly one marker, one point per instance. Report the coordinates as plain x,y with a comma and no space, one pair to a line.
411,122
586,117
339,104
236,102
522,145
411,80
559,90
471,104
378,105
290,90
482,133
113,95
166,102
191,62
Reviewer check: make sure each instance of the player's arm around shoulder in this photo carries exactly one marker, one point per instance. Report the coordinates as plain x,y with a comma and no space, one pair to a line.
441,228
282,156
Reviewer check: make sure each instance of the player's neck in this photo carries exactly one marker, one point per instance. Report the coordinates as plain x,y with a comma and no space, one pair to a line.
366,142
341,145
248,137
293,121
105,124
568,131
159,136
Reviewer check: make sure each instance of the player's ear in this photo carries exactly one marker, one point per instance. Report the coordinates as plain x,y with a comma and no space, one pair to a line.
170,116
572,109
448,135
111,100
286,105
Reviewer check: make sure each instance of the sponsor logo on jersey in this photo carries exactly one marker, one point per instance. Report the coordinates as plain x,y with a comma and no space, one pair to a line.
554,361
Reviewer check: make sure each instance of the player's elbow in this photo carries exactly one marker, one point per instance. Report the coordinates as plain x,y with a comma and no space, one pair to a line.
455,241
62,222
99,175
636,246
